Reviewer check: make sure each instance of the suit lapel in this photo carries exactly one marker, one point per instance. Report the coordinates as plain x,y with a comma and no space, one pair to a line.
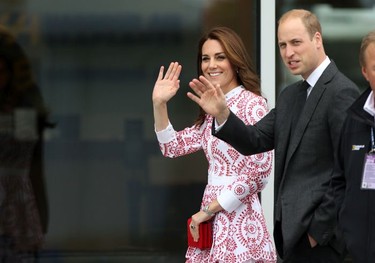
309,109
306,115
311,104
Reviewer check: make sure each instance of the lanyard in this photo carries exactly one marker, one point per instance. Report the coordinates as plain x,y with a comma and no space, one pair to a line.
372,141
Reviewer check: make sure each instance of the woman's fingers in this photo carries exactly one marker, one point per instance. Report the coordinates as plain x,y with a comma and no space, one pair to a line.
161,71
173,71
199,87
169,70
193,98
176,71
196,87
206,83
195,232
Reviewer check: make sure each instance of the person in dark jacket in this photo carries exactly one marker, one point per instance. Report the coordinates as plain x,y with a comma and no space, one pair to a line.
304,130
354,179
23,119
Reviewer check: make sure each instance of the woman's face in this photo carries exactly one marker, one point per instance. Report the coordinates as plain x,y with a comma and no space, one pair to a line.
216,67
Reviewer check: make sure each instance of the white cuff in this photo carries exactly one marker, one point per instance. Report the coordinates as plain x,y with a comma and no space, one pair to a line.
166,135
218,127
228,201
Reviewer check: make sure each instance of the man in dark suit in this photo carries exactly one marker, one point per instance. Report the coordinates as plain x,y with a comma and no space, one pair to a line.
303,129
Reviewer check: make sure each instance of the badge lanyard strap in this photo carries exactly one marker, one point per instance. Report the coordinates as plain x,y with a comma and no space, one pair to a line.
372,141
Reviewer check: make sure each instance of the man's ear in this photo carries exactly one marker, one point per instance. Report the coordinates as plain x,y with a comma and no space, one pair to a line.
364,72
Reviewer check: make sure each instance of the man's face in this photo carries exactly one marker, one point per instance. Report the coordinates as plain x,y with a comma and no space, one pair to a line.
368,70
299,52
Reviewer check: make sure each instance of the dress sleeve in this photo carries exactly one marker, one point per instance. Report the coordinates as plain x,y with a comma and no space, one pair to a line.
178,143
253,170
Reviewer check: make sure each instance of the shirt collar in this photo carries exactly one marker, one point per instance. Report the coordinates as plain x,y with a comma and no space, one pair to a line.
233,92
315,75
370,104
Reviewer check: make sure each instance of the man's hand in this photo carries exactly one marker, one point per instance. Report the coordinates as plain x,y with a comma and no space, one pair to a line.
210,98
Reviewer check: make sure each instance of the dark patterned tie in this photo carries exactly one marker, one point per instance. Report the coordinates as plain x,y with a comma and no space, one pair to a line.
299,104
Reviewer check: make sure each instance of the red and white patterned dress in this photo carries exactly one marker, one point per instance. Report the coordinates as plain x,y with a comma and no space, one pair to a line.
240,232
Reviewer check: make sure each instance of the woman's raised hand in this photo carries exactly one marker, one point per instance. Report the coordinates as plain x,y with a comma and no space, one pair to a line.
166,86
210,98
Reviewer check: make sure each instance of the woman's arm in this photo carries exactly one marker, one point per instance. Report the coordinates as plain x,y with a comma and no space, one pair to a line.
165,88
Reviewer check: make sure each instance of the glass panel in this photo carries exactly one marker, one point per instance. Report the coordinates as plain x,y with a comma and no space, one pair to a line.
344,23
103,189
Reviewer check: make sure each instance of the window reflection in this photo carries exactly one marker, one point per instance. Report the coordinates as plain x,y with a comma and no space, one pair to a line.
110,192
23,119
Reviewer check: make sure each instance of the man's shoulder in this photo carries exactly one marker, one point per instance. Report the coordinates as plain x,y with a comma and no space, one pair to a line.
341,81
334,77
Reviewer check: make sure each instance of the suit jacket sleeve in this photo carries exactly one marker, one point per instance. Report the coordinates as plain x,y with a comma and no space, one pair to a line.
248,139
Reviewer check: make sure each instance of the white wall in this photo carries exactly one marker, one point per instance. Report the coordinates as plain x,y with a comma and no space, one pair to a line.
268,78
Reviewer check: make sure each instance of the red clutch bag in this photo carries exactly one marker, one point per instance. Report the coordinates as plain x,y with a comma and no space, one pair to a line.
205,235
